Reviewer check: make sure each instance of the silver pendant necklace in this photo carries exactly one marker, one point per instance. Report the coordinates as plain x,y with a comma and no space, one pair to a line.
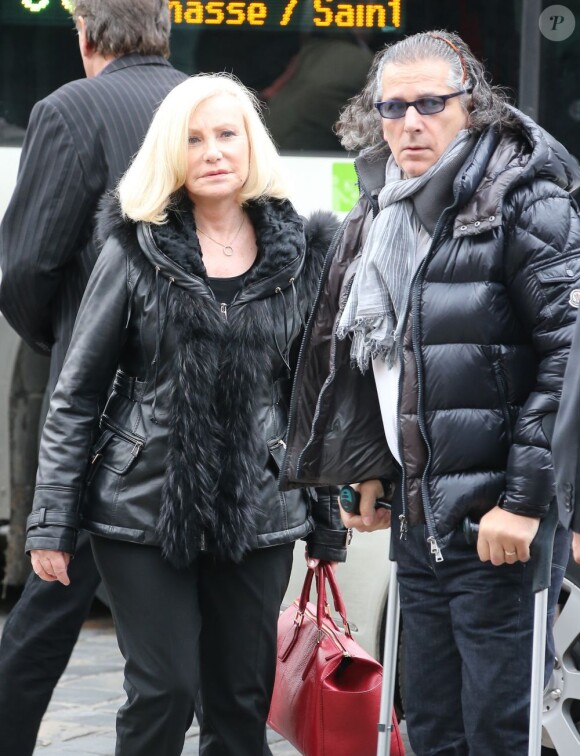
227,249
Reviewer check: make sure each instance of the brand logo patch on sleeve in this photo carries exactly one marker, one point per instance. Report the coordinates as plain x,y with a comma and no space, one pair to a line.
575,298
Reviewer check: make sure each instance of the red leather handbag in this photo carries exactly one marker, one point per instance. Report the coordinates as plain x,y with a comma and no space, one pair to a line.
327,690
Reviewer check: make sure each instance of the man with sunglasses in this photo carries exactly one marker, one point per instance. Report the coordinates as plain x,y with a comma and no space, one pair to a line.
434,357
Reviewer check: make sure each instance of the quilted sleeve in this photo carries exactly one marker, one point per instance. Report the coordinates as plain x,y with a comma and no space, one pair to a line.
543,264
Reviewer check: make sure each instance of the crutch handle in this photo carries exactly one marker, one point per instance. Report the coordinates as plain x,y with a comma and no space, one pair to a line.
540,549
470,530
350,500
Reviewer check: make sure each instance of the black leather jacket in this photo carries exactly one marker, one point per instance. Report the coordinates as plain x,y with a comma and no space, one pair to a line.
488,333
186,452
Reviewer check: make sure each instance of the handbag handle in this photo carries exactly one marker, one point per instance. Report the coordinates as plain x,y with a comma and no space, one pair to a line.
325,575
305,593
337,599
299,618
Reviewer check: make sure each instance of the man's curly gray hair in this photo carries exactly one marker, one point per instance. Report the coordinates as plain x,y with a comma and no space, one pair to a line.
359,125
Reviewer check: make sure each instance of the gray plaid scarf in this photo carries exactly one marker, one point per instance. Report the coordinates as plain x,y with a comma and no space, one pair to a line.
380,289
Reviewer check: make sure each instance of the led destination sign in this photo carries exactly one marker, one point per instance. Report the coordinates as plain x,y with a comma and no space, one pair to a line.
300,14
303,15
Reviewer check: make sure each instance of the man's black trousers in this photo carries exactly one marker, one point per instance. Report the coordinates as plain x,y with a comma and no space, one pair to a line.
37,641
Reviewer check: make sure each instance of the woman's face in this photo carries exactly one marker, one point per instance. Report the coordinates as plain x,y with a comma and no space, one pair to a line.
218,155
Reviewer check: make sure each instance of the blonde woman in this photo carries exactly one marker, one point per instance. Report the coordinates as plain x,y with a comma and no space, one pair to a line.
193,316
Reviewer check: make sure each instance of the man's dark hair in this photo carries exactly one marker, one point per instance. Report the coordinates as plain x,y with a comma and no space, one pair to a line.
359,125
121,27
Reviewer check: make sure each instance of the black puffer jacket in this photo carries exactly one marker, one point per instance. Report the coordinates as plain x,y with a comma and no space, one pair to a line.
485,345
187,450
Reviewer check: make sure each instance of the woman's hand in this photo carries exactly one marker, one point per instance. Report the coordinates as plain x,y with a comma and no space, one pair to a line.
51,565
313,563
369,519
576,547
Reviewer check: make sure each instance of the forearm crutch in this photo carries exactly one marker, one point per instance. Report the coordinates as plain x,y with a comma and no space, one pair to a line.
542,548
350,502
541,565
385,725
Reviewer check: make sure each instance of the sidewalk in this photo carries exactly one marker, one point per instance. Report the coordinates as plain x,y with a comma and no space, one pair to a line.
81,717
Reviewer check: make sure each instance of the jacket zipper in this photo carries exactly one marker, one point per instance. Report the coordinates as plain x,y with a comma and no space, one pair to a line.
224,307
429,519
403,524
403,520
415,288
415,309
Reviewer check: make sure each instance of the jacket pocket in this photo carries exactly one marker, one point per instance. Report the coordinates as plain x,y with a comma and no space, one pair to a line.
560,285
564,270
116,449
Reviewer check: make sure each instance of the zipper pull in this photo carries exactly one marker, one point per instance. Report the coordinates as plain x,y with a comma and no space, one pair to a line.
435,549
404,527
224,310
136,449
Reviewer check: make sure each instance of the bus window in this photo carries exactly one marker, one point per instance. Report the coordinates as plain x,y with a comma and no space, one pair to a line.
302,79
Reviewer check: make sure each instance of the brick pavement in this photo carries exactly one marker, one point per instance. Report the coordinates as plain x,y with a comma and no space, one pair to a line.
80,720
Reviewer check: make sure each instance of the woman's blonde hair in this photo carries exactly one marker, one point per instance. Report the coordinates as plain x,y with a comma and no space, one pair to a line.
159,169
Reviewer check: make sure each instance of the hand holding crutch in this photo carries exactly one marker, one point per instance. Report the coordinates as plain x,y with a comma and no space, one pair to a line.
541,563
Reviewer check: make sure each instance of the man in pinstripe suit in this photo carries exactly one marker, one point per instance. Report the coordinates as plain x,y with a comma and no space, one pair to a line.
79,142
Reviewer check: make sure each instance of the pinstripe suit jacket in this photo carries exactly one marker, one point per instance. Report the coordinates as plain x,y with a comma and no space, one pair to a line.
79,141
566,439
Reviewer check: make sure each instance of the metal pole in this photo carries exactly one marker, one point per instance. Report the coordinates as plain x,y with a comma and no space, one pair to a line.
541,551
530,48
389,666
537,685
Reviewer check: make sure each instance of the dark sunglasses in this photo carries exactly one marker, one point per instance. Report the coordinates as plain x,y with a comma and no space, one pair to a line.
428,105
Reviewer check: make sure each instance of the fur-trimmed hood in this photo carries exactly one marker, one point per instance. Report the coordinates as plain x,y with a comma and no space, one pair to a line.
497,165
